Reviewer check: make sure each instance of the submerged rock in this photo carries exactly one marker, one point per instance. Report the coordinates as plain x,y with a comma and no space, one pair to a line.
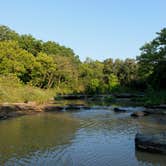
155,143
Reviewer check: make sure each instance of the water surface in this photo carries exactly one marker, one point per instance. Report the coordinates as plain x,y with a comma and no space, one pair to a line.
94,137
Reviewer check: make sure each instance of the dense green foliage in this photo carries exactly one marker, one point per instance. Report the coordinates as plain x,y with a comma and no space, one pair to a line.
46,65
152,61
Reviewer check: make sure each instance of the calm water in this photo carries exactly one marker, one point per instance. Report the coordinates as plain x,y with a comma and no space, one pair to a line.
94,137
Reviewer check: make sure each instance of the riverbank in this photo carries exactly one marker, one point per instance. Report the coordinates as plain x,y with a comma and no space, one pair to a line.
10,110
19,109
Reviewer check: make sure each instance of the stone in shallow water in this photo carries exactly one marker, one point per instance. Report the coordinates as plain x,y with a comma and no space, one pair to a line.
118,109
50,108
155,143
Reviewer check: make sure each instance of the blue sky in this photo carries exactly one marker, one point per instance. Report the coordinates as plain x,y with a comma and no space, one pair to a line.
98,29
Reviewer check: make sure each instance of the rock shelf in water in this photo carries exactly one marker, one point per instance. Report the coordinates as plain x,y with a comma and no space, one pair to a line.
154,143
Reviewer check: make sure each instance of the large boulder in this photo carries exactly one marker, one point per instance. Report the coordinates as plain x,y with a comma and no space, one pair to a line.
155,143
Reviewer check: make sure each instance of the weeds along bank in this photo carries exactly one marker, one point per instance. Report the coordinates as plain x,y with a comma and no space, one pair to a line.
13,90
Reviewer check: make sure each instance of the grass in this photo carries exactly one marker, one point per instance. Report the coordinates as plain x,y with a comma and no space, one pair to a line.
12,90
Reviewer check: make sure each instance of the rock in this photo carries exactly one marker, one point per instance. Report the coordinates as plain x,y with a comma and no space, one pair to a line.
3,115
117,109
139,114
76,107
127,95
9,108
50,108
73,108
155,143
17,109
31,103
70,97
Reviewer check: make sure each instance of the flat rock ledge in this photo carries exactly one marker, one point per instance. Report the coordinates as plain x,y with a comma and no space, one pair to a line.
128,95
70,107
52,108
154,143
17,109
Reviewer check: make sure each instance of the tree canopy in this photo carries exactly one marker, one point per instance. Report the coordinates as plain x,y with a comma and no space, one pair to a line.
51,65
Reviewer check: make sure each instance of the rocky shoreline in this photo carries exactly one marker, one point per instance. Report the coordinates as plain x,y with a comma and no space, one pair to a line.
20,109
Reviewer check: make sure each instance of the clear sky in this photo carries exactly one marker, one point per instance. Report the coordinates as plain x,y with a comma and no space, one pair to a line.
98,29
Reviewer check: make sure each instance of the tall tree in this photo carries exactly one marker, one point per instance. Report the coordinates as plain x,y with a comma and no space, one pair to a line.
29,43
15,60
152,59
7,34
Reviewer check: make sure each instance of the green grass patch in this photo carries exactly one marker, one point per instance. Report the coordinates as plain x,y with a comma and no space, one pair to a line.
12,90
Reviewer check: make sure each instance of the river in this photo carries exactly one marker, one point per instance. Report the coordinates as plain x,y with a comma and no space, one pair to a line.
92,137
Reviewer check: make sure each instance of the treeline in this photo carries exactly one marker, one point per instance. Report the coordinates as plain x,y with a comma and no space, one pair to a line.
50,65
